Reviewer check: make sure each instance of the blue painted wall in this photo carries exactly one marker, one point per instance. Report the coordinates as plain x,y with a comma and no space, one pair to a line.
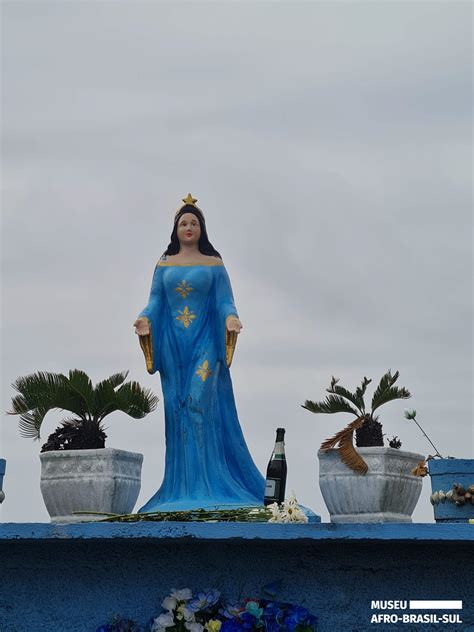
73,578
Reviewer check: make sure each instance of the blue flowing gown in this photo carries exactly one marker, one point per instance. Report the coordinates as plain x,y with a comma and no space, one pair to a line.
207,460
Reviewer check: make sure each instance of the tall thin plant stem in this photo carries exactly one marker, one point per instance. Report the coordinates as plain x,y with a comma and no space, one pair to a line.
436,449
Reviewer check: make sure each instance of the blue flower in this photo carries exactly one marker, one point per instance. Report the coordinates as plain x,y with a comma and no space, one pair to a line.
298,616
104,628
249,622
204,600
273,611
231,610
253,608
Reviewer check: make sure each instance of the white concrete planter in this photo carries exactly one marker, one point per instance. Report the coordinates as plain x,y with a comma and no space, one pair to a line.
387,493
105,480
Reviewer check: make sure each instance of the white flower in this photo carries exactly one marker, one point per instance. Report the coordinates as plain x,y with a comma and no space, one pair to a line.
276,515
299,516
184,594
291,513
188,615
288,512
194,627
169,603
275,519
162,622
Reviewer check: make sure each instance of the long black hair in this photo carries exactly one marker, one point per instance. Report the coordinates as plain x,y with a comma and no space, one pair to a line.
204,245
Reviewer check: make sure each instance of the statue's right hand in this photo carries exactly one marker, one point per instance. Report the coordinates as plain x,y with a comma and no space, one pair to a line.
142,326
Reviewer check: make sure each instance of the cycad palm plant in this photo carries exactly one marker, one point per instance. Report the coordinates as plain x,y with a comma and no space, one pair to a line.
41,392
366,425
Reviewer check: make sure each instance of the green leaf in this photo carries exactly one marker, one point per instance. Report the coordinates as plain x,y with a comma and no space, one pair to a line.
135,400
39,387
344,392
30,423
39,393
105,401
332,404
360,392
117,378
19,405
386,392
80,383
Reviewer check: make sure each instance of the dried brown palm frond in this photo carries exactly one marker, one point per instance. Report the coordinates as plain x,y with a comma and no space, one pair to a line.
344,442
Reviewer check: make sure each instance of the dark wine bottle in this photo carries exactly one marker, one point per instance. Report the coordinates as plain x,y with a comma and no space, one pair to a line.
276,471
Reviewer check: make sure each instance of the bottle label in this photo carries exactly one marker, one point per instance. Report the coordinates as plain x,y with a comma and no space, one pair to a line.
272,488
279,450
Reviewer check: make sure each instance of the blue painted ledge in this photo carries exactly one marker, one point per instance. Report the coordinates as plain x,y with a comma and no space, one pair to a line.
237,531
73,578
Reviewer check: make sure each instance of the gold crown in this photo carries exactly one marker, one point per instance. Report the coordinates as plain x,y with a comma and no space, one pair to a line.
189,201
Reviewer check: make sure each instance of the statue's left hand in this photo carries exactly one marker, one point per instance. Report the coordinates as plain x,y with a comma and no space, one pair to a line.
233,324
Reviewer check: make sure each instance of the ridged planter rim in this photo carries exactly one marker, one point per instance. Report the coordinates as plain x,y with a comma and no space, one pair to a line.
57,454
379,450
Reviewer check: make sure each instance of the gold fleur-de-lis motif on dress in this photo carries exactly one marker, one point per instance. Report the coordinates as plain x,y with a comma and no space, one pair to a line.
183,288
186,317
204,371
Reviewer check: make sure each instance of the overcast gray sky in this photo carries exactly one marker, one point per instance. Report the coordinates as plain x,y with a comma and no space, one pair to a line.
329,145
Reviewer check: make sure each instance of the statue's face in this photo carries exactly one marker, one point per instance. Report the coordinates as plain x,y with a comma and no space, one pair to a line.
189,229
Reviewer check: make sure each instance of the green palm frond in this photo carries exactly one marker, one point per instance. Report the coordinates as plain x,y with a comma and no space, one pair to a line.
117,378
30,423
19,405
344,392
332,404
360,392
386,392
50,390
38,387
38,394
80,383
105,400
135,400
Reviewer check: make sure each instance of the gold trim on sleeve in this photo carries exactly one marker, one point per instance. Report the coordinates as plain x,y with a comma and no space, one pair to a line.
147,348
230,342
